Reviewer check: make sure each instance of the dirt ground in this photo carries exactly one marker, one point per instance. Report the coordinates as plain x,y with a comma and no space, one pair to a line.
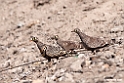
20,19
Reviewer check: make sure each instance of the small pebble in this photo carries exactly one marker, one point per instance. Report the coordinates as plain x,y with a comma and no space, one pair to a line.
21,24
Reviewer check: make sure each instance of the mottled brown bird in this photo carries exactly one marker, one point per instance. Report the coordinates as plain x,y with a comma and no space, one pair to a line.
90,43
48,51
67,45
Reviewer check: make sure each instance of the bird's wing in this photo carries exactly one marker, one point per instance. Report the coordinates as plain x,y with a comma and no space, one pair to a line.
96,42
53,51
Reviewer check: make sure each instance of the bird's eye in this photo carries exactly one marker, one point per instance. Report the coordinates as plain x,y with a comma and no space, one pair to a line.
44,48
32,39
35,38
56,37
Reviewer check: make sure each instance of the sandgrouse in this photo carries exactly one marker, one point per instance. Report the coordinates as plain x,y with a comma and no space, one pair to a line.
67,45
48,51
90,43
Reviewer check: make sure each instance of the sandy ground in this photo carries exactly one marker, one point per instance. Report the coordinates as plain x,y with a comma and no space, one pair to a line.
20,19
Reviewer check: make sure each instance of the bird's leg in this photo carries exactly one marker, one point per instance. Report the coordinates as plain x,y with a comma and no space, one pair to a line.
93,51
72,51
48,64
49,59
57,58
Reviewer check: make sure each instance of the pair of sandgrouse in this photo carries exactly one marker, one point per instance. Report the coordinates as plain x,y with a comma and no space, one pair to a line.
87,42
48,51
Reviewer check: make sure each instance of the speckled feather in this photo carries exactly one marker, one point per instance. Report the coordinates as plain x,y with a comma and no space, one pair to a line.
90,42
53,51
48,51
68,45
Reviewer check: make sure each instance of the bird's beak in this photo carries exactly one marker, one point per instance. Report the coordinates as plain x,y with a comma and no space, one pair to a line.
72,31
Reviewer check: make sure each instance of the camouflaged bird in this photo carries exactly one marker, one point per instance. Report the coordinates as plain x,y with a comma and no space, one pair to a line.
90,43
48,51
67,45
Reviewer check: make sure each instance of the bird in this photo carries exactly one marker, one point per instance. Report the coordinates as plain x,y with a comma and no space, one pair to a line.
48,51
90,43
67,45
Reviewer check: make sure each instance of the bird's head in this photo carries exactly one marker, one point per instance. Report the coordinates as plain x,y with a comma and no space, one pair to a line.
76,30
44,48
34,39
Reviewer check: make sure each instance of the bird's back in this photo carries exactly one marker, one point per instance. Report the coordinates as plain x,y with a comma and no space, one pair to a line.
95,42
91,42
53,51
68,45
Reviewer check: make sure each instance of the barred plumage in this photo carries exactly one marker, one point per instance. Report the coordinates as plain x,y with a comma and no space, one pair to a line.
67,45
48,51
